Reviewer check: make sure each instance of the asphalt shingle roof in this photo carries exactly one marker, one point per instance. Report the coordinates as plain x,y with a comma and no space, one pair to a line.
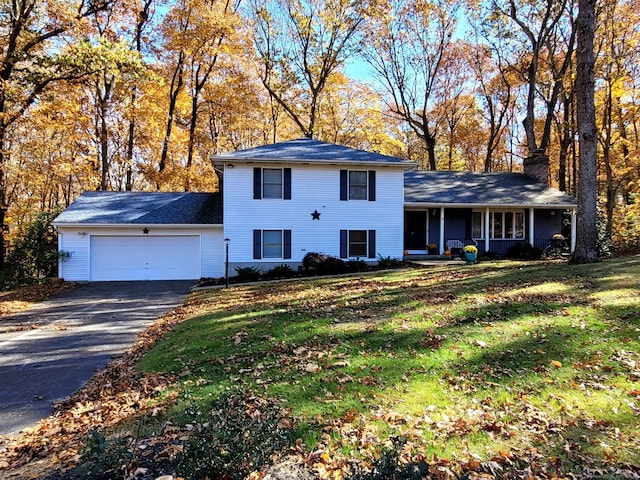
469,188
151,208
306,150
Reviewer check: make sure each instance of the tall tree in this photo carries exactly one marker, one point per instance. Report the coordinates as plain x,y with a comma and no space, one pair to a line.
496,91
543,52
143,12
206,42
300,43
586,238
30,62
406,49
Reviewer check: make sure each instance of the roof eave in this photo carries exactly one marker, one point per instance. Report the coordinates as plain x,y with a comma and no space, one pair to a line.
568,206
406,165
137,225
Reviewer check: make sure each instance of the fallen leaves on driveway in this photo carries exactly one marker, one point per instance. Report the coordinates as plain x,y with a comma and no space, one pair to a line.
114,394
23,298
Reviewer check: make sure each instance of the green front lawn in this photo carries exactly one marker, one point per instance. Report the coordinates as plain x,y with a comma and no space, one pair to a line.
477,361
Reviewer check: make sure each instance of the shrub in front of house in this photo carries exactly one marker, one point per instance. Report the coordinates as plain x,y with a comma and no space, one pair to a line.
315,263
280,271
386,263
524,251
247,274
357,265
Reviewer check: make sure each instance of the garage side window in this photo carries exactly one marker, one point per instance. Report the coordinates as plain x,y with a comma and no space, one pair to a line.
272,183
271,244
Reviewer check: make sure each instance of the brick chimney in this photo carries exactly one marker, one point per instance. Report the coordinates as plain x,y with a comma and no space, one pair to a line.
537,166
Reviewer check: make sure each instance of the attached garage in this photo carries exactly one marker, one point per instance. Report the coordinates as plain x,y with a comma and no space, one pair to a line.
113,236
144,257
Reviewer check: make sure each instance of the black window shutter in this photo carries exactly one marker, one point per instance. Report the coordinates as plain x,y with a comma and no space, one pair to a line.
257,183
344,187
372,185
257,244
371,244
287,244
343,244
287,183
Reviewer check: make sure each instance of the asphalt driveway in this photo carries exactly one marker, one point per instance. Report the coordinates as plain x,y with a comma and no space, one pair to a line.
51,350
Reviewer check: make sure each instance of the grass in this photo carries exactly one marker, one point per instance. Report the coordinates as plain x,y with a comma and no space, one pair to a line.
476,360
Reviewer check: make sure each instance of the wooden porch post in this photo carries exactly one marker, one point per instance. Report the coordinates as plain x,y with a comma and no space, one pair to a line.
487,229
532,229
573,230
442,245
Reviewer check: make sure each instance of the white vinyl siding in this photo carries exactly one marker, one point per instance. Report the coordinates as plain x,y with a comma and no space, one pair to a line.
313,188
76,267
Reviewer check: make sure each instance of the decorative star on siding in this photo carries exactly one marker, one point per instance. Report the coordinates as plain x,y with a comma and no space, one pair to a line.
315,215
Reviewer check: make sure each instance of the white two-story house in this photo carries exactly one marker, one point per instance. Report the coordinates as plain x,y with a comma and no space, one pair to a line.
279,202
285,200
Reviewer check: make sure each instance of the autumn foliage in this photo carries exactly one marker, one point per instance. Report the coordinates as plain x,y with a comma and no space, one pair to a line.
138,94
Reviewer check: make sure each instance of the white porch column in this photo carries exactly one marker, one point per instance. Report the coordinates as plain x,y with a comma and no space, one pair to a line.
532,229
573,230
442,245
487,229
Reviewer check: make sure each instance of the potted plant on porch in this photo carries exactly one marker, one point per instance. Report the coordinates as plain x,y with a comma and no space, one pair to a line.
432,249
471,253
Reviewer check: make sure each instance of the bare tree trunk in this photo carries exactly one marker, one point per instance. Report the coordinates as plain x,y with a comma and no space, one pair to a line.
587,234
143,18
177,81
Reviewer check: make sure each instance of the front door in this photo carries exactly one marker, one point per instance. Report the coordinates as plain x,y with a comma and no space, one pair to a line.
415,230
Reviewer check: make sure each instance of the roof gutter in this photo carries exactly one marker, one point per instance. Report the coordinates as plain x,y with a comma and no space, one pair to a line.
217,159
182,226
548,206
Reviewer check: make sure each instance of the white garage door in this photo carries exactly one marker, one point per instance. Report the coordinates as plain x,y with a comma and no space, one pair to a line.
145,258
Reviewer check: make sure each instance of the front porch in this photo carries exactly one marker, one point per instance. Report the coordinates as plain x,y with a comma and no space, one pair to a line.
431,232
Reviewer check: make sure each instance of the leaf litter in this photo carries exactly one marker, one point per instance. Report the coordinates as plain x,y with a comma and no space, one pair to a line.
357,438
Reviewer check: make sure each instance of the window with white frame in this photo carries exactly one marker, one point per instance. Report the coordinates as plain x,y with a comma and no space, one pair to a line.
271,244
271,183
357,243
502,225
357,185
477,225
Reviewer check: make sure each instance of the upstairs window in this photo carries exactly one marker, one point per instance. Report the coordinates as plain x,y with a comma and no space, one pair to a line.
271,183
358,185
